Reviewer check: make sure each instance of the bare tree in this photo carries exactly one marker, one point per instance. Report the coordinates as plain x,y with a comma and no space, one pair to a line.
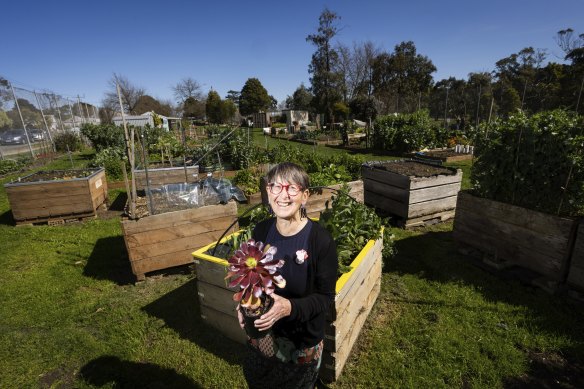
130,93
186,88
356,65
568,42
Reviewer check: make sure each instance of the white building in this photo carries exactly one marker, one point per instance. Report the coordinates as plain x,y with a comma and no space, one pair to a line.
141,120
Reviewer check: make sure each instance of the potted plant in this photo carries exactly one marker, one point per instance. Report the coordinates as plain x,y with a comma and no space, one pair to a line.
254,270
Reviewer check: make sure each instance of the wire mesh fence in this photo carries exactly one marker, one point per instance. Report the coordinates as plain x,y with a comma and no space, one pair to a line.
31,120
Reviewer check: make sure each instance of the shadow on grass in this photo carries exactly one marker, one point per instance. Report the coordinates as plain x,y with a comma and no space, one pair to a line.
434,256
7,219
109,261
180,311
112,370
119,203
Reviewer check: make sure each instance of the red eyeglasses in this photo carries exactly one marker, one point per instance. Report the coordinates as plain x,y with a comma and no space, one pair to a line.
277,188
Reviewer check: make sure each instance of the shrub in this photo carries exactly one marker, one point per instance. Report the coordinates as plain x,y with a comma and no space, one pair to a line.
534,162
103,136
67,141
110,159
404,132
9,165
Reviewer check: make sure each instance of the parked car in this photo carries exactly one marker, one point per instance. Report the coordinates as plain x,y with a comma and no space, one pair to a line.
13,137
36,134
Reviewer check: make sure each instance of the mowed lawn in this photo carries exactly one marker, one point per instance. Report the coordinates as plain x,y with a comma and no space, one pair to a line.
70,316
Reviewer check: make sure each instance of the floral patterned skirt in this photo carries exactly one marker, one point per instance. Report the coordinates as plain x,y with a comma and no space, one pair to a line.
274,362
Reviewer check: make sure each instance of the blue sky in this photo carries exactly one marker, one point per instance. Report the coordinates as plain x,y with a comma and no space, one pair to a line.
74,48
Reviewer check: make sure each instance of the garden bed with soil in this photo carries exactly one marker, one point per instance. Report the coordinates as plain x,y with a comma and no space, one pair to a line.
415,193
56,196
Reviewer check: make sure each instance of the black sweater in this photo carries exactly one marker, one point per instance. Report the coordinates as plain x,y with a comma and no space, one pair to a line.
305,325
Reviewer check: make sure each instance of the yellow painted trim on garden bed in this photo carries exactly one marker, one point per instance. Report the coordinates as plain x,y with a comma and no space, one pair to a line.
358,259
199,254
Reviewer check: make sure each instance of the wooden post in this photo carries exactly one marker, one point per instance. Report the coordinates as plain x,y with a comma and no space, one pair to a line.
130,151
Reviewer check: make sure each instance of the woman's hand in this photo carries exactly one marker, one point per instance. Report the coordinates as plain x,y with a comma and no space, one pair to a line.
280,309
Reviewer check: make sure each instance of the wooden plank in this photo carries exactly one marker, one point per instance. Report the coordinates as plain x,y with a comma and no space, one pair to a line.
442,179
512,243
227,325
385,189
170,219
386,204
347,313
536,221
343,297
334,362
576,273
193,228
431,207
58,186
385,176
161,262
428,219
434,192
218,298
39,193
211,273
61,210
170,246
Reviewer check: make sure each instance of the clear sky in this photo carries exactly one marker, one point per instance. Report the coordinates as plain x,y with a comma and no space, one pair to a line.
74,47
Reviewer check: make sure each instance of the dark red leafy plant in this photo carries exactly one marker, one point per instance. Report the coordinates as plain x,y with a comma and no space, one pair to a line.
255,270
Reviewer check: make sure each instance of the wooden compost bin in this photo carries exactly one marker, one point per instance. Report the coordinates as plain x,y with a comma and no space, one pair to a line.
576,274
317,200
57,201
511,235
163,176
414,200
356,292
166,240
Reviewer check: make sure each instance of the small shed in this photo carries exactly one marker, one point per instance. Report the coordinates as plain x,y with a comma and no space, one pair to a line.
141,120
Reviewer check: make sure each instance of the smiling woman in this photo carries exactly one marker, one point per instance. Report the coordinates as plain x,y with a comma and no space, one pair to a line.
290,352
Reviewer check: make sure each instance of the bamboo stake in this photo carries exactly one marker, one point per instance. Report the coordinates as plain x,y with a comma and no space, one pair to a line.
130,152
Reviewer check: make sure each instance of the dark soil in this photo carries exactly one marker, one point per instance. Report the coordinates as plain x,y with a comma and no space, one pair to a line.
416,169
54,175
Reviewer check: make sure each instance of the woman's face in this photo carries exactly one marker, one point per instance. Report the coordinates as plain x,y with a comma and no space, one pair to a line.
286,198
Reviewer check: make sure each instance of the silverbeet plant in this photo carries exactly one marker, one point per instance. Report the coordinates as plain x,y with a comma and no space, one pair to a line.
254,269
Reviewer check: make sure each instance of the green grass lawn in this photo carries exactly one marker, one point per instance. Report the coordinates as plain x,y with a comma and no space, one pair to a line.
69,317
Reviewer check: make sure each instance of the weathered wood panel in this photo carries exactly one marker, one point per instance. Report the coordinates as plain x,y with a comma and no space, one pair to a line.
32,201
162,176
516,235
355,295
576,273
226,324
158,242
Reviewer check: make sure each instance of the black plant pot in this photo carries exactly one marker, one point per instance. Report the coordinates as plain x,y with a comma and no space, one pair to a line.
250,316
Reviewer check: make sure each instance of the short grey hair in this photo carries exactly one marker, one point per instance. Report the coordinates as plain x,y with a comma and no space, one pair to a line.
290,172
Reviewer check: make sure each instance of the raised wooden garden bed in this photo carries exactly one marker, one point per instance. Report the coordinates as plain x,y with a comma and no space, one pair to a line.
415,193
356,292
509,235
442,155
166,240
57,196
318,198
576,271
162,176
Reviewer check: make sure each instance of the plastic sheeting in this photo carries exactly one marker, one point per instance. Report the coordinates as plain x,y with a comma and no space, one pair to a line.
210,191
